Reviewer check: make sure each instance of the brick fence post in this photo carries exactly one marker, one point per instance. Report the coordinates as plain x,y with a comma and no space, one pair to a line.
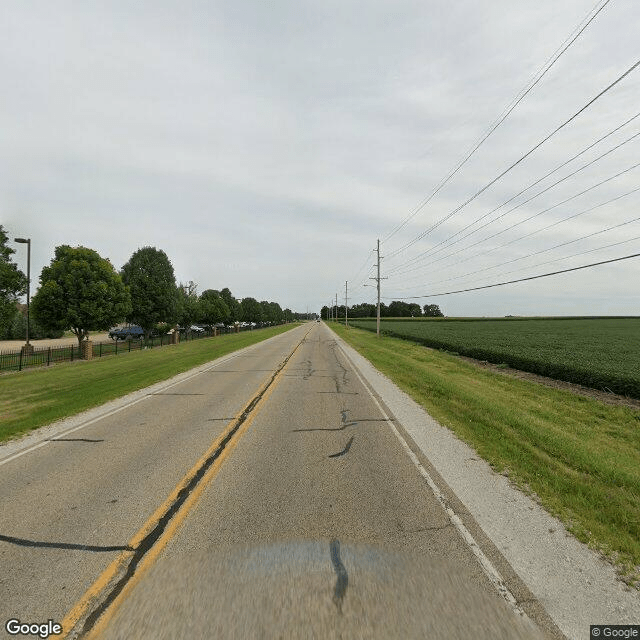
87,350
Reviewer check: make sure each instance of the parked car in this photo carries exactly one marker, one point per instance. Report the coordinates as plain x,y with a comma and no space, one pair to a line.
132,332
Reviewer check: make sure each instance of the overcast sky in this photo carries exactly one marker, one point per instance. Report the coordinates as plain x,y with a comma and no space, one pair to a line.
265,146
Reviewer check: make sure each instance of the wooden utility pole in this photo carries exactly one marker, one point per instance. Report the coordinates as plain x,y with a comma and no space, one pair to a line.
346,307
378,278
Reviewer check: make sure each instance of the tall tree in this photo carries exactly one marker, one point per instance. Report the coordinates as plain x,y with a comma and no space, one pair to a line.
154,295
362,310
212,307
276,312
433,311
80,291
235,311
189,310
265,311
251,310
13,283
415,310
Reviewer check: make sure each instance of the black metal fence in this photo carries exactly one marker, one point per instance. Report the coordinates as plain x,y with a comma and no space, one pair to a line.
45,356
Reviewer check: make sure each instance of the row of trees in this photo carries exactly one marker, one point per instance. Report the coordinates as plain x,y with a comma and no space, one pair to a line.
81,291
396,309
213,306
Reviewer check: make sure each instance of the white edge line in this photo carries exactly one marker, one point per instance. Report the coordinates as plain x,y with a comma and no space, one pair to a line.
491,572
125,406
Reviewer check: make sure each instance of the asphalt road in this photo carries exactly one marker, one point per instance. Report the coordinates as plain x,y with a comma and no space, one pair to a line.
267,496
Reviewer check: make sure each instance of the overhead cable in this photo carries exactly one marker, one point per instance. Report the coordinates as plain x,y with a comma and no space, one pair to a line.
517,162
537,253
523,93
541,264
535,215
450,240
501,284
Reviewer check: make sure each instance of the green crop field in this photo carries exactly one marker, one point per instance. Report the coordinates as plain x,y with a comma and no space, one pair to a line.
602,353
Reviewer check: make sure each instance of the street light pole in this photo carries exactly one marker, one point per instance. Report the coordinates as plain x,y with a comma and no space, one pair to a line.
27,241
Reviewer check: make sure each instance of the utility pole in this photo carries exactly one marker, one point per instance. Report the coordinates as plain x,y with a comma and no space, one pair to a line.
378,278
336,307
346,307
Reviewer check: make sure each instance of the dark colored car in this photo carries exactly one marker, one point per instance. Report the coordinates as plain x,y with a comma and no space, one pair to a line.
133,332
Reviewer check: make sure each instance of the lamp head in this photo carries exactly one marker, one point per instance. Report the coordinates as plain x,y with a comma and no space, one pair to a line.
22,240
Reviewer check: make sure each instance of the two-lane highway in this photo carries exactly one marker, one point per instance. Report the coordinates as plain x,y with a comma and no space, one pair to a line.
268,496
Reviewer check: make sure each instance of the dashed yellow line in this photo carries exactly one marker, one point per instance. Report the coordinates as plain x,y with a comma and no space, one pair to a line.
98,591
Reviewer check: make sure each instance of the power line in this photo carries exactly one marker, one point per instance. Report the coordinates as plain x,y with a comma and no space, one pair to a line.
535,215
362,267
501,119
517,162
434,250
537,253
574,255
501,284
541,264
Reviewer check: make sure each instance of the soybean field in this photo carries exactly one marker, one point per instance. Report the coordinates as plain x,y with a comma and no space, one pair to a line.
601,353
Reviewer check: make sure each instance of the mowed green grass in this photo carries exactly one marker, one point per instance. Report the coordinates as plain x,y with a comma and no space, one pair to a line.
602,353
35,397
578,456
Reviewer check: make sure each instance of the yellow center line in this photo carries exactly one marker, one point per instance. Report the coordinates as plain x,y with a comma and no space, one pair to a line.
98,591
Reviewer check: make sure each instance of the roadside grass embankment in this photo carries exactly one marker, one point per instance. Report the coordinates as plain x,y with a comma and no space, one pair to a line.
36,397
578,457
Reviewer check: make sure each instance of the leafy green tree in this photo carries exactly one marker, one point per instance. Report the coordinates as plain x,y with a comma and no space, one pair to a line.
401,309
13,283
36,332
269,312
154,295
362,310
275,313
251,310
188,306
235,310
213,308
287,315
433,311
80,291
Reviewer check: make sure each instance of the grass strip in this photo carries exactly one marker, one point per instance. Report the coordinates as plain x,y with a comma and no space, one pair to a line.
580,458
35,397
